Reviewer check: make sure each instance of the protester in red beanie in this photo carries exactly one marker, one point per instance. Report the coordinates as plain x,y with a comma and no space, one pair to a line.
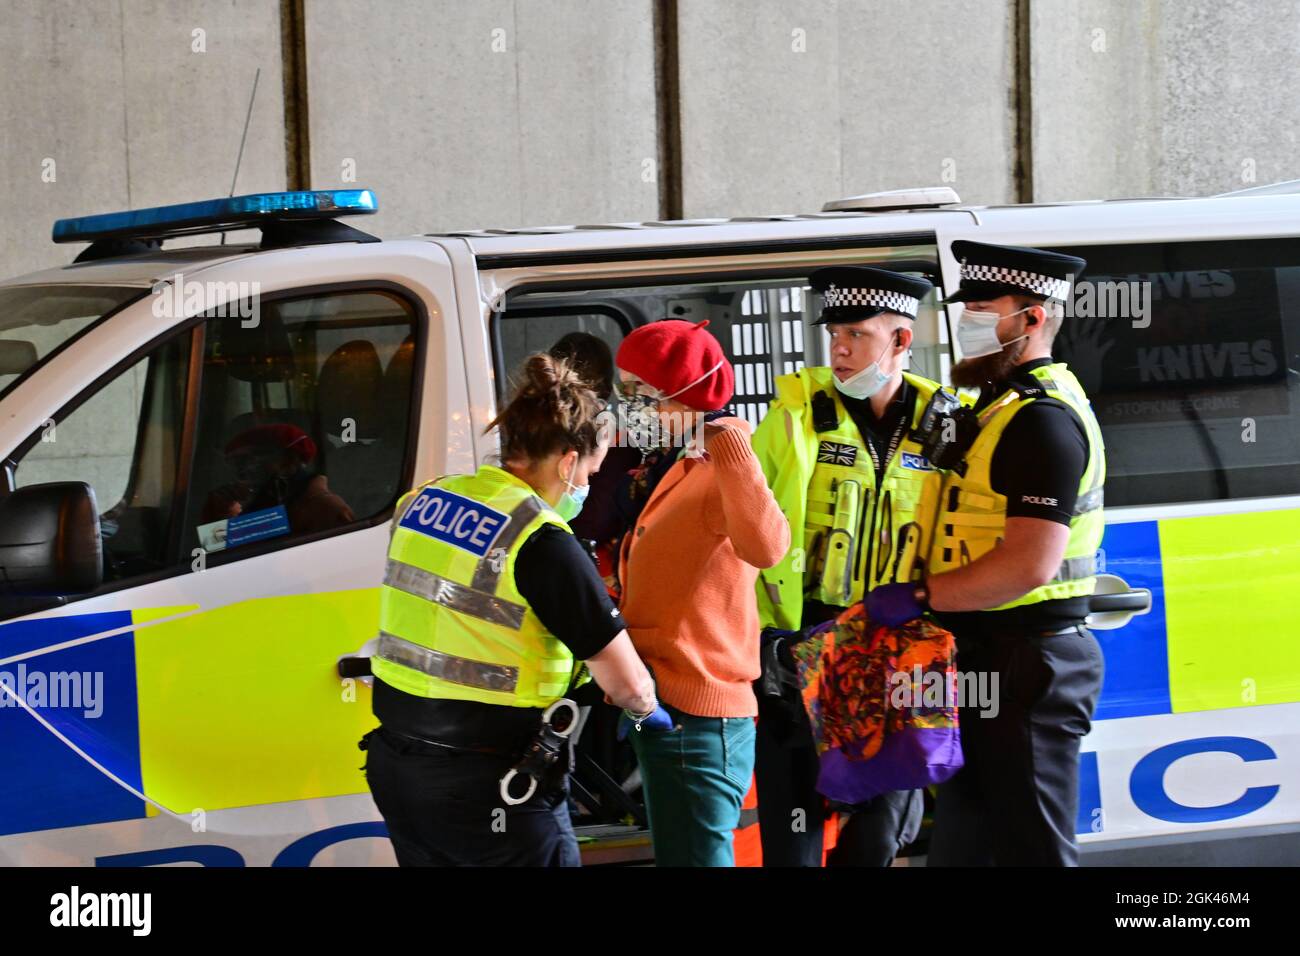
688,569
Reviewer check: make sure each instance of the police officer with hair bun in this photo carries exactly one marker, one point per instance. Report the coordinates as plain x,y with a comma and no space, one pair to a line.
491,613
1012,566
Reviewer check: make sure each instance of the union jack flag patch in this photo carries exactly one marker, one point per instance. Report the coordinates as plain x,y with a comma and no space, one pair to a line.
834,453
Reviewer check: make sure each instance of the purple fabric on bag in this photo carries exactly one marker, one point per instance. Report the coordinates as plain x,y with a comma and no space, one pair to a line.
918,757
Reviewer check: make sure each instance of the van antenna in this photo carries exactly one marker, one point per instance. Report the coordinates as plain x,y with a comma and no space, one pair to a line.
243,139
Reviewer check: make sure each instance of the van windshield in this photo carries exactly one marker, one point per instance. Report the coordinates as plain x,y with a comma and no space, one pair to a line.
37,320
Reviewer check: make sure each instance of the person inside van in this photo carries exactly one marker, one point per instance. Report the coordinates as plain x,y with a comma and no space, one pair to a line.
603,522
688,570
271,465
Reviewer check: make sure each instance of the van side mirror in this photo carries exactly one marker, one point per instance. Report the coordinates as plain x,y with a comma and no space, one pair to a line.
49,540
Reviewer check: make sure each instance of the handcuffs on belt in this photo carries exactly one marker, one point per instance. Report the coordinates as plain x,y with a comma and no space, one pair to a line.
542,753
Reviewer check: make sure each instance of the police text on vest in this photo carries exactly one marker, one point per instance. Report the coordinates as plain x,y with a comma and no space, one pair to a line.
455,520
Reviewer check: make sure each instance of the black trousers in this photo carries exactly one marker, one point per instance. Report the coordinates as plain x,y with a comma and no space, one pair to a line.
442,807
792,814
1015,801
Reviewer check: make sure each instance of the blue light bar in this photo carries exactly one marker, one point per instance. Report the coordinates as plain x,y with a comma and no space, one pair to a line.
217,215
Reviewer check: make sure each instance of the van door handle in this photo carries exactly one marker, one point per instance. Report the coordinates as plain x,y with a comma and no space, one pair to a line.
1114,603
1137,601
354,667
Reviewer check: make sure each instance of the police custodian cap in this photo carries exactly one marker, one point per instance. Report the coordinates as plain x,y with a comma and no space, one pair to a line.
853,293
989,271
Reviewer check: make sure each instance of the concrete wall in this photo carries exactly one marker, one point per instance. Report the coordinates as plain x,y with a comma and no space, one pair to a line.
796,103
492,113
1163,97
529,112
109,105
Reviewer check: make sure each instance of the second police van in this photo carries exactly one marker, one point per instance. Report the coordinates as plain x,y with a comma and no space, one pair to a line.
172,692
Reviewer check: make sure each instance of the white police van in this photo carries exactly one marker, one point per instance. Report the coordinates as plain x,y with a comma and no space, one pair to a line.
202,447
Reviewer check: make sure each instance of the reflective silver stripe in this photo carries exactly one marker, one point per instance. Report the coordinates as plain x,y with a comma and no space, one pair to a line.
490,566
448,667
1089,501
1072,569
457,597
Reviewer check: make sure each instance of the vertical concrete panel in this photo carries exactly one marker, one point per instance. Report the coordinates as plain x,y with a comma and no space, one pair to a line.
1230,115
927,96
1163,97
760,106
496,113
587,146
131,115
188,76
793,103
62,117
1096,82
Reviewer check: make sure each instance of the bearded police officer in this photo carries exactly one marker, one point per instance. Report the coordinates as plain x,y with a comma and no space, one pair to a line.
839,452
1012,565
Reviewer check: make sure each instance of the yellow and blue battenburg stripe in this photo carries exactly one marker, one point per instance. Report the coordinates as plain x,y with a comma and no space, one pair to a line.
241,705
1219,632
1218,637
231,707
44,783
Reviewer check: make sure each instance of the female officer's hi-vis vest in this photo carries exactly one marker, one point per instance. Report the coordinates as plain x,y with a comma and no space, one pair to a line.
974,516
452,624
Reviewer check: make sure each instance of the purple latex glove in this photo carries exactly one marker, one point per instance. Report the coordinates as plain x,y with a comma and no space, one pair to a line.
893,604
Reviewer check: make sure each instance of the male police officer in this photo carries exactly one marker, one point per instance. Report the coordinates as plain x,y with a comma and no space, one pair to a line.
838,451
1012,565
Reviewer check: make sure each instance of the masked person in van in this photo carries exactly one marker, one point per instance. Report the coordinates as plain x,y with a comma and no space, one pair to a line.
488,610
1012,565
271,464
688,568
840,450
604,520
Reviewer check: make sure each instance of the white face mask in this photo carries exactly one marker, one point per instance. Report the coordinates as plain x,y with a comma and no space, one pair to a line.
867,382
977,333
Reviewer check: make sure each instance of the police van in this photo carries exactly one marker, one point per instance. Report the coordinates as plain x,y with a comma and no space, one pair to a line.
203,445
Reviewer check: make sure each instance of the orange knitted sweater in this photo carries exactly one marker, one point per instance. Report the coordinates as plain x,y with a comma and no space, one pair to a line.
689,568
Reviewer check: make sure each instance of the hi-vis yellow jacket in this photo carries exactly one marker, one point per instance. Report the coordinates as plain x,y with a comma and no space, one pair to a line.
452,623
974,516
855,535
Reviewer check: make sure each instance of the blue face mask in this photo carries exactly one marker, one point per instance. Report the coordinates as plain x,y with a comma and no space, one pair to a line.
570,503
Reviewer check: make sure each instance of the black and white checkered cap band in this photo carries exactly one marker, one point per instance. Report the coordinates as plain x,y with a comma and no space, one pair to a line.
879,298
1032,281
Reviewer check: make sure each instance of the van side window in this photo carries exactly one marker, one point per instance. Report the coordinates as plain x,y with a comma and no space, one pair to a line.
285,421
761,323
539,329
302,419
1189,352
124,441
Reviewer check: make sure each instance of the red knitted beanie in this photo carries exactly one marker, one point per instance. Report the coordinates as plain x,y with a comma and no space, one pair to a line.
672,354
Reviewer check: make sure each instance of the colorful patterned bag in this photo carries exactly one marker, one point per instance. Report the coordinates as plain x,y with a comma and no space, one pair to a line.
883,704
